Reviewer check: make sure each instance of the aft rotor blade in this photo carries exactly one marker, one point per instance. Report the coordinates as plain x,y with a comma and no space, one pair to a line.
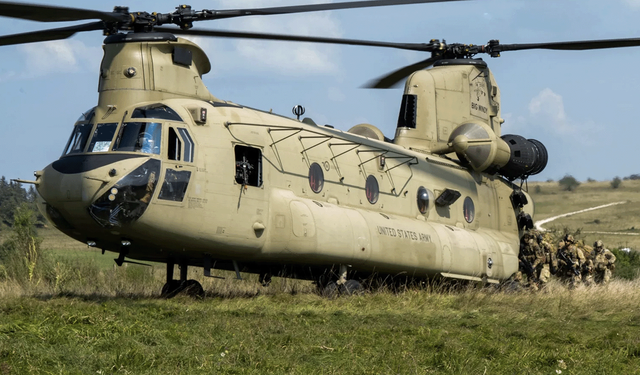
48,13
573,46
294,38
391,79
49,34
317,7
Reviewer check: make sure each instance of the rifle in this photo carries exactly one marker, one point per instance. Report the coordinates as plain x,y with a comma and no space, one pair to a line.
526,265
570,262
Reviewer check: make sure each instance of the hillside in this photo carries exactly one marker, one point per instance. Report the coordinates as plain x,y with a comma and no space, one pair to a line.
617,226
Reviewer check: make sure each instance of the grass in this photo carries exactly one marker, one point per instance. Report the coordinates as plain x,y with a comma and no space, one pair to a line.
621,220
97,319
584,331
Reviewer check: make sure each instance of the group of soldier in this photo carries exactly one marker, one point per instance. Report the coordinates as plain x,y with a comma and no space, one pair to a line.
571,263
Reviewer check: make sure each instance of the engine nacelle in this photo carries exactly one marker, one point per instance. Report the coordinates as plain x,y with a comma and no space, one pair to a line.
528,157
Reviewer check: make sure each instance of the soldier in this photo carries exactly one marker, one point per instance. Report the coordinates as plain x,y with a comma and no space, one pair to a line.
550,264
531,258
570,260
603,262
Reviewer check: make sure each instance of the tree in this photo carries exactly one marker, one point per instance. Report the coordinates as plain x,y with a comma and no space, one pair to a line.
616,182
568,183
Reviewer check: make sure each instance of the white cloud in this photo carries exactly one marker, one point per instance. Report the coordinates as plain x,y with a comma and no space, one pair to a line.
287,58
634,4
547,112
58,56
550,107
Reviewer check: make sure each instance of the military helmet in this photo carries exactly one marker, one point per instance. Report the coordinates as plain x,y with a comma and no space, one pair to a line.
539,238
568,238
598,244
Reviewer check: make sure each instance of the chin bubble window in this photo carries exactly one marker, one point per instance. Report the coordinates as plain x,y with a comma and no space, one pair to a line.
316,178
469,209
372,190
424,200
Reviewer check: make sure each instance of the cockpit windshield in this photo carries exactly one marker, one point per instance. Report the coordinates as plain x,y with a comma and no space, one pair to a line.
139,137
102,137
78,139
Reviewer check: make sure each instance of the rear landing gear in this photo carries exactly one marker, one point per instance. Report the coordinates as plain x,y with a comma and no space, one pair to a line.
174,287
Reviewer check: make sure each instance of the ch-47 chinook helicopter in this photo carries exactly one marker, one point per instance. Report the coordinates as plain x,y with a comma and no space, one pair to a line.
161,170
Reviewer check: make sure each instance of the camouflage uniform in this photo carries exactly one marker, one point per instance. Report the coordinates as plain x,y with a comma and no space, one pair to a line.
603,262
571,272
549,264
533,255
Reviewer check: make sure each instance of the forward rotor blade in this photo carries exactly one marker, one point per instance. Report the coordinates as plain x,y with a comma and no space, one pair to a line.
574,46
48,13
391,79
49,34
317,7
294,38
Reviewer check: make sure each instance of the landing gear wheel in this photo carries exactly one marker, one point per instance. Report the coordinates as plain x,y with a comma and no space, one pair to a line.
192,288
351,287
171,288
330,290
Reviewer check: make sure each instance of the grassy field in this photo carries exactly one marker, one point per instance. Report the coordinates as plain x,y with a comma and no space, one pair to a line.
476,331
617,226
94,318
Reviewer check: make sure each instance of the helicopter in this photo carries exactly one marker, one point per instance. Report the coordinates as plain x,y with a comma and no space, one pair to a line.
161,170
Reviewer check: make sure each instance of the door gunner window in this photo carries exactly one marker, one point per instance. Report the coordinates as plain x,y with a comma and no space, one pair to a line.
139,137
248,166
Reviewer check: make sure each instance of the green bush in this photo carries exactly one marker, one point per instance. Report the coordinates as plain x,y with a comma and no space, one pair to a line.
627,264
568,183
616,182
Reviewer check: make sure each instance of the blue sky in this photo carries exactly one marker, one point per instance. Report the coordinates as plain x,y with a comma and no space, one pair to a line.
580,104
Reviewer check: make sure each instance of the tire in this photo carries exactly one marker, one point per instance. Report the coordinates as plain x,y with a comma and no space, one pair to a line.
351,287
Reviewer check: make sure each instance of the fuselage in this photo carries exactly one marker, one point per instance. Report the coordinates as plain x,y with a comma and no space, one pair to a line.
165,174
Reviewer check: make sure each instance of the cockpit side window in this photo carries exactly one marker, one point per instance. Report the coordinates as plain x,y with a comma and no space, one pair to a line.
78,139
175,145
102,137
139,137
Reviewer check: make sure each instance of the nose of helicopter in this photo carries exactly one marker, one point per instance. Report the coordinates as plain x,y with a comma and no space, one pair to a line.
83,193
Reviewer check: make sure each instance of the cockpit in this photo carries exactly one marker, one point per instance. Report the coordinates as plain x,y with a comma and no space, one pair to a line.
140,134
155,130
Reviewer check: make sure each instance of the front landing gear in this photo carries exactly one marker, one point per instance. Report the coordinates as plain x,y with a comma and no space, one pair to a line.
174,287
331,285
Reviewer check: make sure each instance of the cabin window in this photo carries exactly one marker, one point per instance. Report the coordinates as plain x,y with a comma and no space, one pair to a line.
469,209
424,199
371,189
248,166
175,185
102,137
174,148
139,137
78,139
316,178
408,111
159,111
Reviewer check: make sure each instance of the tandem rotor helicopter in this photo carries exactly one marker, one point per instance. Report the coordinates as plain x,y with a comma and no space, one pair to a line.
161,170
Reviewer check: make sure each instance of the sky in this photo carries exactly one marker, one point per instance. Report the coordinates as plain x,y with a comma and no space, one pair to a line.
580,104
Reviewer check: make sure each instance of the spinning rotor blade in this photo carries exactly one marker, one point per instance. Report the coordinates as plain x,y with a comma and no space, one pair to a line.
49,34
293,38
48,13
318,7
573,46
391,79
